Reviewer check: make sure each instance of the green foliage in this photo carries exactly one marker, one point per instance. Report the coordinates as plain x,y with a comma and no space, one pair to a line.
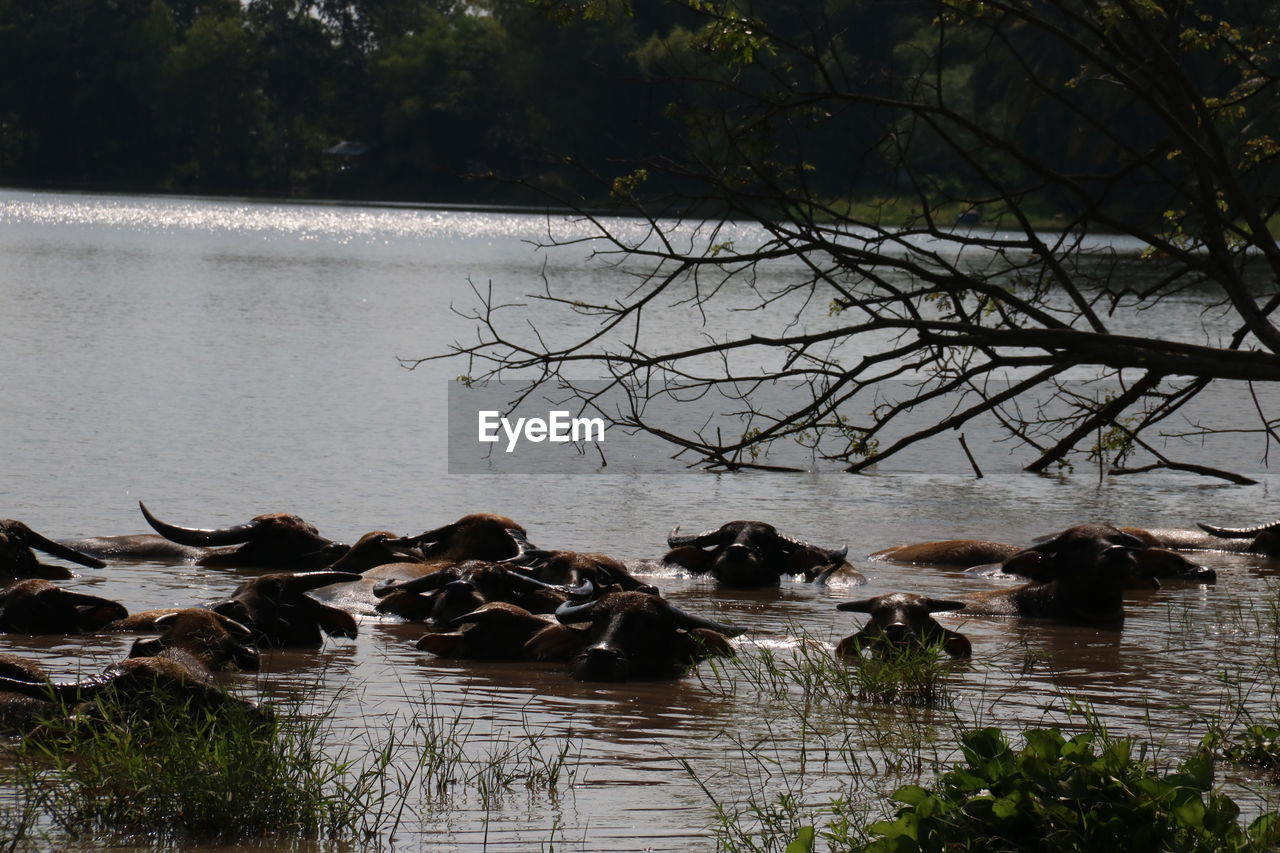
1257,746
1059,793
182,770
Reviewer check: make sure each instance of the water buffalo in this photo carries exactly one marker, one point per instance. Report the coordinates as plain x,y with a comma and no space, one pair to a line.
449,592
138,688
216,640
574,568
985,557
36,606
902,620
17,559
479,536
495,631
377,548
273,541
1076,577
275,607
631,635
21,709
752,554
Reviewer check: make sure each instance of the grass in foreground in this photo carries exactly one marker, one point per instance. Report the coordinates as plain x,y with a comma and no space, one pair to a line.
191,772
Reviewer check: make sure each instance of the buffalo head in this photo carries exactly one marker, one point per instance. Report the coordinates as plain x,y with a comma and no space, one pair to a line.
1151,564
277,609
575,568
21,708
137,689
638,635
36,606
899,621
272,541
443,595
1075,578
375,549
217,641
752,553
478,536
495,631
17,560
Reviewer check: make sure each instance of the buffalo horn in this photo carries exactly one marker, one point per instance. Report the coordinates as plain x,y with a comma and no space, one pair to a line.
64,691
303,581
525,549
937,605
706,537
163,622
200,537
434,537
568,613
1237,532
861,606
53,549
528,582
836,555
426,583
687,620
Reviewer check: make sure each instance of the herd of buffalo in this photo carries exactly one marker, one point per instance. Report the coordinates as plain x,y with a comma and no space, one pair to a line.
482,590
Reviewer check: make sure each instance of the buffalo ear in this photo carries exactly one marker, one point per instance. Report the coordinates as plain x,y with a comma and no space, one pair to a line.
803,561
861,606
443,645
694,559
94,616
146,648
407,605
334,621
233,609
1029,564
712,643
556,642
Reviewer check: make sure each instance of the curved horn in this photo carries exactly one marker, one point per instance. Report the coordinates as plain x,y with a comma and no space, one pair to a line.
938,605
527,556
706,537
431,537
304,581
62,552
210,538
1237,532
530,582
523,545
51,690
687,620
569,612
426,583
861,606
836,555
165,622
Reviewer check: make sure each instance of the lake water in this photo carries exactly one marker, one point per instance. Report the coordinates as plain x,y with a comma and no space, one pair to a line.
218,359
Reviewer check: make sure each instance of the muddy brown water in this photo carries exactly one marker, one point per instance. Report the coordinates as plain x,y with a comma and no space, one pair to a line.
219,359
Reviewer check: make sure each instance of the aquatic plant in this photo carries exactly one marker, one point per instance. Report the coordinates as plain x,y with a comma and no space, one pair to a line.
194,772
1060,793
